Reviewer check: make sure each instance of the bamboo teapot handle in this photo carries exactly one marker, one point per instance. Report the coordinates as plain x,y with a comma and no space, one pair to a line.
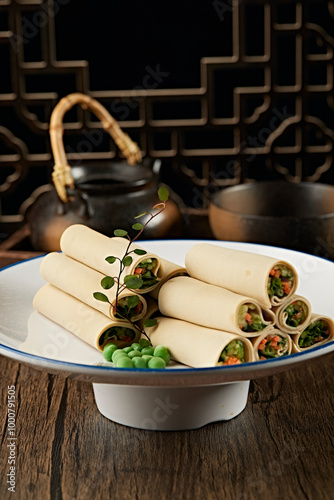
61,174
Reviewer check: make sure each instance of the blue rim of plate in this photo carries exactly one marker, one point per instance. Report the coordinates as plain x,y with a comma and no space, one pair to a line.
186,370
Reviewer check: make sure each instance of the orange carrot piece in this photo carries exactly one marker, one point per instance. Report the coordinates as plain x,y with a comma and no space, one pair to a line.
232,361
139,270
249,318
139,307
272,272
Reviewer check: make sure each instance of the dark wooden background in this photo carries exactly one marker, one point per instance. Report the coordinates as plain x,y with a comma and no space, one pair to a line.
218,64
279,447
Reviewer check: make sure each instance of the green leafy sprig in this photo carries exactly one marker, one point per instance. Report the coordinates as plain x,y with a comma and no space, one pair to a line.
131,281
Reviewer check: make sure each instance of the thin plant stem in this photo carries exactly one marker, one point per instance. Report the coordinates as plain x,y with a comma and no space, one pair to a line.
142,331
121,287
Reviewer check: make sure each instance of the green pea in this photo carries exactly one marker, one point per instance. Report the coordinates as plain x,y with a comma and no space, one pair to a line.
115,353
144,343
146,358
108,351
134,353
162,352
127,349
124,362
139,362
136,346
119,355
156,362
148,350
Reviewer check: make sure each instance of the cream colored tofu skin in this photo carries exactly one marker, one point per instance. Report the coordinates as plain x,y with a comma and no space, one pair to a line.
192,300
92,248
241,272
207,344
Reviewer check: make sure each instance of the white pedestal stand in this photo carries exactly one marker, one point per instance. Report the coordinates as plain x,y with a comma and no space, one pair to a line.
170,408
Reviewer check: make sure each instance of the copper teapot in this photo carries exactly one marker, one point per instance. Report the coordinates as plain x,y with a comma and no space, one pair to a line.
104,195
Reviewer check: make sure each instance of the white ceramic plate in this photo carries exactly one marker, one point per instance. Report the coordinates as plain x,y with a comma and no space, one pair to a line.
30,338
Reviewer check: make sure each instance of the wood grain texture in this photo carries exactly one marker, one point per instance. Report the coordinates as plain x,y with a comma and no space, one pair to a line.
279,447
11,257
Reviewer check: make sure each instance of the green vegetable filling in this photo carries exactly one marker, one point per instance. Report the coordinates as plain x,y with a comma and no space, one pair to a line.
233,354
144,270
280,281
249,320
117,335
129,307
314,333
273,346
297,312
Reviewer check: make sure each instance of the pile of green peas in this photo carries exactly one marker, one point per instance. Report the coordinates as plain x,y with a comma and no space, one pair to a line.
138,355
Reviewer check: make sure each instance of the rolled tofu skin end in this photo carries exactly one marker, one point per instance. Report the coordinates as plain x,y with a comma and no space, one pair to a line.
153,268
317,332
270,348
224,358
119,335
248,314
281,281
295,313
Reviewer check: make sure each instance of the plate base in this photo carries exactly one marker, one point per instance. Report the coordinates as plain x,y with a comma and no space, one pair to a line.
170,408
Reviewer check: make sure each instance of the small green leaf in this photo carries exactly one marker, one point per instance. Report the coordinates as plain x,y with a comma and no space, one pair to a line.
100,296
133,282
128,277
137,226
127,260
110,259
140,215
133,301
120,232
138,251
107,282
150,322
163,193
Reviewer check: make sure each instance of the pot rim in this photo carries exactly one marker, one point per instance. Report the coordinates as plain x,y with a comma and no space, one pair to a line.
149,175
214,201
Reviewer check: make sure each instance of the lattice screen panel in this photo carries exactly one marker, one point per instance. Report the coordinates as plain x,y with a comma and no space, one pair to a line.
264,111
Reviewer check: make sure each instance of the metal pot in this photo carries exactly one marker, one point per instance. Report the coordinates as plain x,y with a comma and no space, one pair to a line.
103,195
296,216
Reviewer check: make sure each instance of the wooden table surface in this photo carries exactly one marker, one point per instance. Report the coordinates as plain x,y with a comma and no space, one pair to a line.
280,447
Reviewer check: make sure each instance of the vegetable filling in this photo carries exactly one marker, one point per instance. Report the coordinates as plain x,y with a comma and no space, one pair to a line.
117,335
249,320
273,346
297,312
144,270
280,281
129,307
314,333
233,354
